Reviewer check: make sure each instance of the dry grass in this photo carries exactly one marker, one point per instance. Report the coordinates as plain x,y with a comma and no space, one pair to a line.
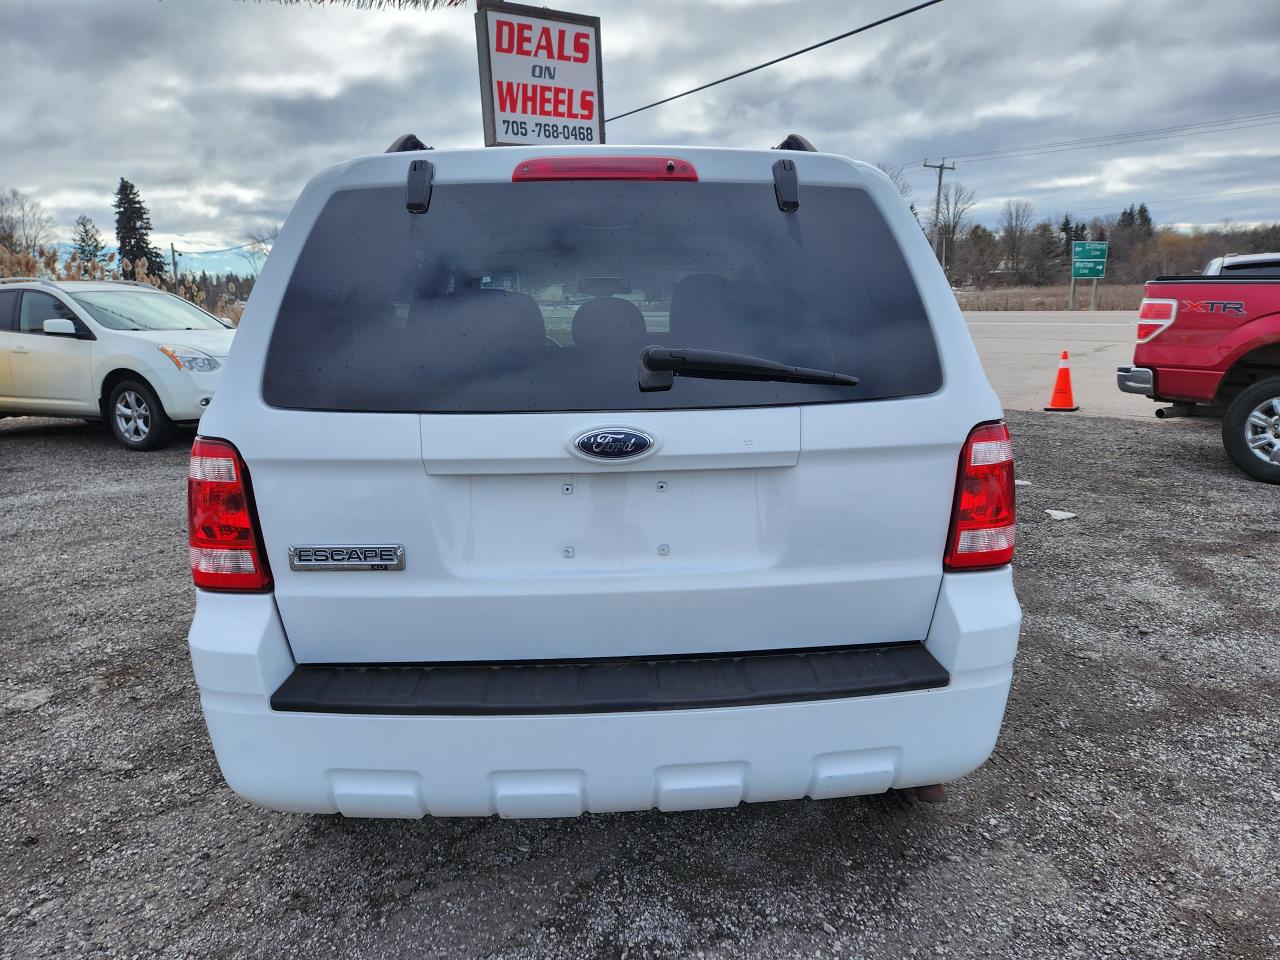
1120,296
44,263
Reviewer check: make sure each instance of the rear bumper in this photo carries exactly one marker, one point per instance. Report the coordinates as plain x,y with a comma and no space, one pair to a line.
1140,380
565,764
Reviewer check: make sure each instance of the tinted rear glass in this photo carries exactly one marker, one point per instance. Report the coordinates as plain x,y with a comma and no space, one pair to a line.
8,309
539,297
1267,269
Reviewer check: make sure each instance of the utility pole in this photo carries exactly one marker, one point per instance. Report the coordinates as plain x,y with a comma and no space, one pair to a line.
173,259
937,205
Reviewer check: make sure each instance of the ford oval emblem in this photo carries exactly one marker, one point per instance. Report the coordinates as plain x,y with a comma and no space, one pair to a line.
614,443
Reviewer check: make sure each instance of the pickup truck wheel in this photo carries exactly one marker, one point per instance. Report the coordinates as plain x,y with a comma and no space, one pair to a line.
136,417
1251,430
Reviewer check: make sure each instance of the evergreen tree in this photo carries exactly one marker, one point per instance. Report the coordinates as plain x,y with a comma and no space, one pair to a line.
1128,217
1142,219
133,233
977,255
87,243
1042,250
1068,231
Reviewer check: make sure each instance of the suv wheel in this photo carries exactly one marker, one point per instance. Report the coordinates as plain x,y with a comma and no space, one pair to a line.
1251,430
136,417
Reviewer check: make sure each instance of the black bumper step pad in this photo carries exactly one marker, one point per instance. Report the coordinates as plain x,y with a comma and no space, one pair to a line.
611,686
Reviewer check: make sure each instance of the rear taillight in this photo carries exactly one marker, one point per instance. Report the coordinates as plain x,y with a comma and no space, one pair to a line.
222,526
1154,316
983,517
604,168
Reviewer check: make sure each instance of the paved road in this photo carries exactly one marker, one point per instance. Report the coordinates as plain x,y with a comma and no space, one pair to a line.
1020,352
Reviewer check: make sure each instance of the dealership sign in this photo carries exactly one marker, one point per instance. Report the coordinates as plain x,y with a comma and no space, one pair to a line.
540,78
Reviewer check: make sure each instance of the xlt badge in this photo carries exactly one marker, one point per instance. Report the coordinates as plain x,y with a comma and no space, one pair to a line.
383,556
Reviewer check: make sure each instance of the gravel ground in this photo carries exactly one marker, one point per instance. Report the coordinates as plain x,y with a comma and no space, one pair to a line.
1132,806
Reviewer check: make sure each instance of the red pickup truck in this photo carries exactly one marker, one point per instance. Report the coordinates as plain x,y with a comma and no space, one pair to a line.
1215,341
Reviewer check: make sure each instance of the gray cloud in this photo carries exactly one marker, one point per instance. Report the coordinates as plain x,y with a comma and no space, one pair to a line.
220,111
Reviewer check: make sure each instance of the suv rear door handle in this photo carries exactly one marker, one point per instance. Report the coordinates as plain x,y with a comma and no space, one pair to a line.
21,350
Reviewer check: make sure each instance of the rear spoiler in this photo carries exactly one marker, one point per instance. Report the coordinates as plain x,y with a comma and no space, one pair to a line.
796,142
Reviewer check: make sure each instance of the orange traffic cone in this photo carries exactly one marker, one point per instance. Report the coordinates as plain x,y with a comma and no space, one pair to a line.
1062,400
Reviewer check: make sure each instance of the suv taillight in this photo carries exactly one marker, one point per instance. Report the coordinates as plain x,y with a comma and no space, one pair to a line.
1154,316
983,518
222,526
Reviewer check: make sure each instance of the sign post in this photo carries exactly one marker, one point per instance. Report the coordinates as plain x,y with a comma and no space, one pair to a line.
540,75
1088,262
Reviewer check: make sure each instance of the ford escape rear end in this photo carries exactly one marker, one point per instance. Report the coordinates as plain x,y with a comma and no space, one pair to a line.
553,480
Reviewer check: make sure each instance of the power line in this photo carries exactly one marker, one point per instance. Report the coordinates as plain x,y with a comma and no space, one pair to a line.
1122,143
1114,136
203,253
770,63
1225,125
1194,196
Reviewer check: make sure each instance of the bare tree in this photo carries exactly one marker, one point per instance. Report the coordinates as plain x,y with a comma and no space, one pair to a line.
897,174
1015,224
8,222
259,242
25,225
35,226
953,216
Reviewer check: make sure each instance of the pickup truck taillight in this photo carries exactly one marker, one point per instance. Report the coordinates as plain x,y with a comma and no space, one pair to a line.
1154,316
983,518
222,524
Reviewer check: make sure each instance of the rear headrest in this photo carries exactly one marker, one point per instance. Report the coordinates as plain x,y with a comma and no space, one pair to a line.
702,312
502,325
607,324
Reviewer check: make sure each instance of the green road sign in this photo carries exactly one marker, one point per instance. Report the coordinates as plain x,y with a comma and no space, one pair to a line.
1088,259
1088,249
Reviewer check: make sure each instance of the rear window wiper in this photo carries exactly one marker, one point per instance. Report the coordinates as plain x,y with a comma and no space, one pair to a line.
659,366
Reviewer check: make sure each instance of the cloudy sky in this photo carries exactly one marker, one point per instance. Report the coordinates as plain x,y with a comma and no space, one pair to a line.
220,110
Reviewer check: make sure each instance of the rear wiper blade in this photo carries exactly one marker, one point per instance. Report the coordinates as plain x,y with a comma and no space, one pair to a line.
659,366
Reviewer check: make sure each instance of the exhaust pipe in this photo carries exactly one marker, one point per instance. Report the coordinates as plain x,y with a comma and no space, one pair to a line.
1176,410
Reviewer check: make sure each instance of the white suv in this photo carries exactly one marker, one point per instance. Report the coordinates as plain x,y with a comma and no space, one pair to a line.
122,352
552,480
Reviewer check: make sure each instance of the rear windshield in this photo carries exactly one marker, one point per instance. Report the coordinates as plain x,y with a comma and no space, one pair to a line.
1270,268
540,296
